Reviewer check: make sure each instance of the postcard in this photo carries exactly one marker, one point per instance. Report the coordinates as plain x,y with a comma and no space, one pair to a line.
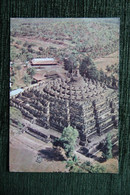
64,95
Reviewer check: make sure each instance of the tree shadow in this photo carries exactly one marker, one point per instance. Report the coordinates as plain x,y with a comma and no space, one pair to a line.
86,153
115,153
50,154
99,159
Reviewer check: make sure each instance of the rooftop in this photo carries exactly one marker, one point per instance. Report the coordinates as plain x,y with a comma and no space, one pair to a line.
38,77
43,61
16,91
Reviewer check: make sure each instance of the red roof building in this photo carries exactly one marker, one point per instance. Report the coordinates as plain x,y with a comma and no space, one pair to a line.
38,77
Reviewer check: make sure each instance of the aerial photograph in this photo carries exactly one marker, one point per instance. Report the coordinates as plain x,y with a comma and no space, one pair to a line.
64,95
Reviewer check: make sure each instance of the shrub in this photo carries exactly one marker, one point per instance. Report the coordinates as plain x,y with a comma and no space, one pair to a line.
29,56
38,53
30,50
18,67
102,76
108,147
27,80
13,79
97,169
11,40
25,44
31,71
40,48
18,42
70,163
23,50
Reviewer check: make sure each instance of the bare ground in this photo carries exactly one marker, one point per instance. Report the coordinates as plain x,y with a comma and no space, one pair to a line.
109,60
24,152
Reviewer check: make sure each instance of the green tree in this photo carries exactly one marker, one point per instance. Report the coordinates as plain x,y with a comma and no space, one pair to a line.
88,68
97,169
23,51
102,76
13,79
38,53
68,138
40,48
108,147
27,80
71,60
69,63
108,68
11,40
92,168
30,50
18,42
31,71
108,80
13,54
70,164
18,67
113,79
25,44
29,56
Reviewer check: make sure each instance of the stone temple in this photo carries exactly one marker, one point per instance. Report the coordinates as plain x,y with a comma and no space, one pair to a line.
87,105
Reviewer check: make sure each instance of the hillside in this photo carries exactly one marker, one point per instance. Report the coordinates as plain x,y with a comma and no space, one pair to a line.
95,38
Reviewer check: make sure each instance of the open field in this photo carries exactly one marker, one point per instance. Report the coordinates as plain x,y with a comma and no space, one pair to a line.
109,60
24,151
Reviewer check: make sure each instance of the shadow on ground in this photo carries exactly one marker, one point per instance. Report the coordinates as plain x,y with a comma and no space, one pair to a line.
50,154
115,154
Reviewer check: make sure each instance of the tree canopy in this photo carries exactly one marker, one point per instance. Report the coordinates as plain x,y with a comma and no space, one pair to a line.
108,147
68,138
88,68
31,71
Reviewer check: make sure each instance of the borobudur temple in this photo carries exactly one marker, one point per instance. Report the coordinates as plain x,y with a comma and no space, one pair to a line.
87,105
